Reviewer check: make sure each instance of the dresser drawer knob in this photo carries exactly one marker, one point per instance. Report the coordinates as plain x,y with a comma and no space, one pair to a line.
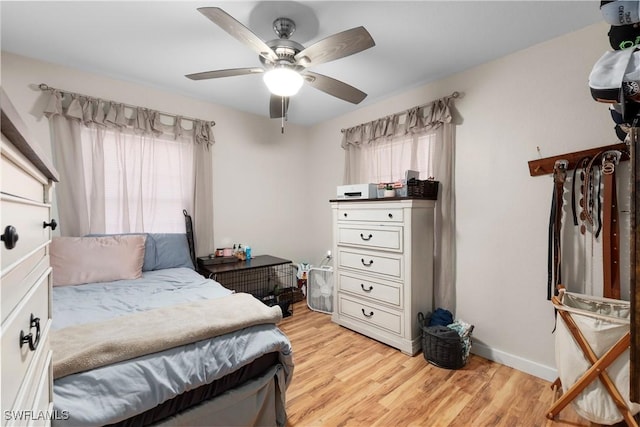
10,237
53,224
345,214
28,338
366,290
366,264
366,238
390,215
367,315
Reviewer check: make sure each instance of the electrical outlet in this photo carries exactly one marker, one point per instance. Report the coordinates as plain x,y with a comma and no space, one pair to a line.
329,254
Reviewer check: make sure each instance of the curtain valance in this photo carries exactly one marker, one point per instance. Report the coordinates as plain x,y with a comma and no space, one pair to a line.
416,120
109,114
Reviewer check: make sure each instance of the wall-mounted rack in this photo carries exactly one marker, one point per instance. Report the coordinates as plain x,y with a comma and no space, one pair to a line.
545,166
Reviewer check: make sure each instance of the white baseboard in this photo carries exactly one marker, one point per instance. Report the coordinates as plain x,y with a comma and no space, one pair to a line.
536,369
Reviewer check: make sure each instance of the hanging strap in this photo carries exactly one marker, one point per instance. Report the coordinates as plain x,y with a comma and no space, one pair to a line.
582,163
590,196
550,251
554,271
599,199
610,228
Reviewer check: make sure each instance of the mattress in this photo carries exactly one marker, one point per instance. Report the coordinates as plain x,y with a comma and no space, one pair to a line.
120,391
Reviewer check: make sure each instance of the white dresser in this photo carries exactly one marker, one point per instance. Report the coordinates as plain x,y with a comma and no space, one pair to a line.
25,289
383,268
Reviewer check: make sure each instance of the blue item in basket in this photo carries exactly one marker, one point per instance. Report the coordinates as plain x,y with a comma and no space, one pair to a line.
441,317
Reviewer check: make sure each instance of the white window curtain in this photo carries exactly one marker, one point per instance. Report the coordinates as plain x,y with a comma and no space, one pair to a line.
419,139
124,173
389,158
136,183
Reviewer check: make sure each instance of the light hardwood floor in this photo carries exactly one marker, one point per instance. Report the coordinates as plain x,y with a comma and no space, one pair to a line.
343,378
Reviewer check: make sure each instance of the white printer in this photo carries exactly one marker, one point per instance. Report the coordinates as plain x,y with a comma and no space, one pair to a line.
358,191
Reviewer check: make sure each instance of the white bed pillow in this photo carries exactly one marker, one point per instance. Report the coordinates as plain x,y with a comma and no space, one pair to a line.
78,260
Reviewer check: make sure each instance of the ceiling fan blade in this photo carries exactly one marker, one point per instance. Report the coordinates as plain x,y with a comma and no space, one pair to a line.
334,87
224,73
238,31
275,106
336,46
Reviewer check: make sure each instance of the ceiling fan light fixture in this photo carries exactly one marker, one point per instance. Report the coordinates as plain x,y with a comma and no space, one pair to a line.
283,81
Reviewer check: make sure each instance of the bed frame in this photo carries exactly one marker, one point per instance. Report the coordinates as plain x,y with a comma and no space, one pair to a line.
206,404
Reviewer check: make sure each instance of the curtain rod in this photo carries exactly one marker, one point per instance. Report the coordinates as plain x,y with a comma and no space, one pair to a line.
44,87
455,94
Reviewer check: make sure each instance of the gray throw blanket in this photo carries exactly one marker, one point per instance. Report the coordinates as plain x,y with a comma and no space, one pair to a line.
91,345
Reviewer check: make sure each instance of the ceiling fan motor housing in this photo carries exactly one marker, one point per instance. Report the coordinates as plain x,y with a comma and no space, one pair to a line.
286,50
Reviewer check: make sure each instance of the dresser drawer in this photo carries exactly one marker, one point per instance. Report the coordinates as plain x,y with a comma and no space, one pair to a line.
387,292
347,213
371,314
44,397
375,237
17,282
42,391
16,358
35,393
27,218
389,265
19,177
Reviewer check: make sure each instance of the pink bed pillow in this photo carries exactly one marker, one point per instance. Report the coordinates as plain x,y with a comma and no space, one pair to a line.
78,260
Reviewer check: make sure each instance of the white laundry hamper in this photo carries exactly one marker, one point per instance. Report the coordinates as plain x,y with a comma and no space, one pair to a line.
601,325
320,289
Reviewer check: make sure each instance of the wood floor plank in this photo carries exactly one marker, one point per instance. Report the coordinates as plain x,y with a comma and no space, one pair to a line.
343,378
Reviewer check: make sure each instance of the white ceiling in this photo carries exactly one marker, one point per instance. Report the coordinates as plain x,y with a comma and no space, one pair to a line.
155,43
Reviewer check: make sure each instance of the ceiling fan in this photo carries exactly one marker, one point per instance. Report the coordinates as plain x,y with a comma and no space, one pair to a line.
286,62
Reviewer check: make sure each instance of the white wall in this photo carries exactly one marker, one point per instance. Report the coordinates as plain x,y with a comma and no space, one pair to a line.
538,97
259,198
272,191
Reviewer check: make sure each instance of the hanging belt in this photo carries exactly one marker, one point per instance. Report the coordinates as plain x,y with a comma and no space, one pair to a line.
587,203
554,271
582,164
590,202
599,199
610,228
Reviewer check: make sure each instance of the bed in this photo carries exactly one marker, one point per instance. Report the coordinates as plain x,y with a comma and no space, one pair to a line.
140,338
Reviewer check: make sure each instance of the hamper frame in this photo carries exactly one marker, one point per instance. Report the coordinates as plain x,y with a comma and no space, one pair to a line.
598,365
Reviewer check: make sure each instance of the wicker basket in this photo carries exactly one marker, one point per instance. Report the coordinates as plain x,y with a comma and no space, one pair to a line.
442,346
427,189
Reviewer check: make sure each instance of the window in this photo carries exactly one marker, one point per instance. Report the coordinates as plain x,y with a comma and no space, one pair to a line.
141,183
387,161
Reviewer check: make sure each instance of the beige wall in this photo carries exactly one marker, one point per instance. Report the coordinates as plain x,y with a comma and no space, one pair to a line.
538,97
257,188
272,191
